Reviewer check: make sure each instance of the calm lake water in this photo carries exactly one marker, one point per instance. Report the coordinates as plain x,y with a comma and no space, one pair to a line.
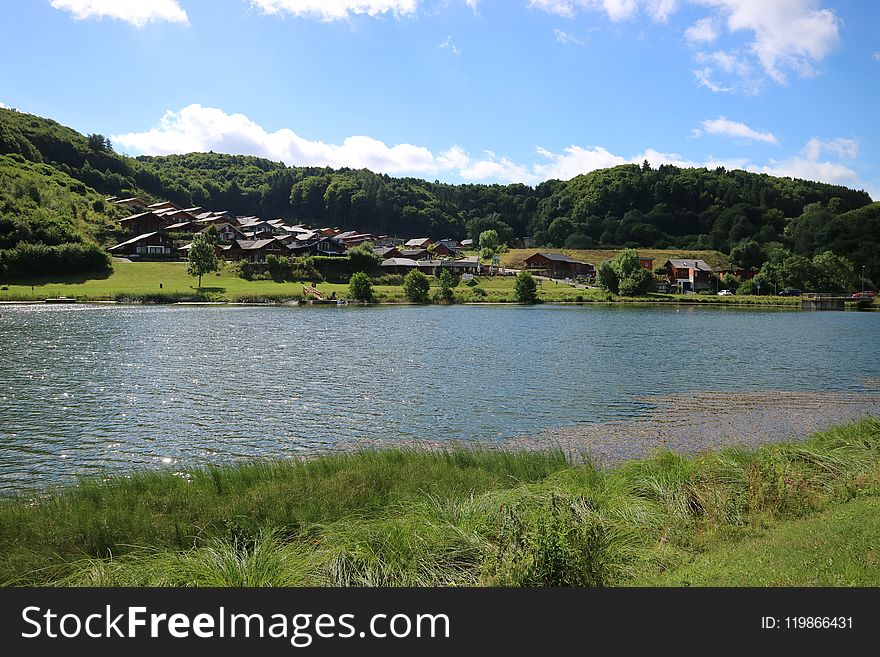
96,389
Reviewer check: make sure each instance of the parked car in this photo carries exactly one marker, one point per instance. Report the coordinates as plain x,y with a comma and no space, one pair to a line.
790,292
867,294
725,293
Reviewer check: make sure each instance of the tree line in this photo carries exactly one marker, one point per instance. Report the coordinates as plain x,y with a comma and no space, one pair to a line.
627,206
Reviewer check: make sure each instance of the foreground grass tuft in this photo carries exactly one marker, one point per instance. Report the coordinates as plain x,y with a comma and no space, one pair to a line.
420,518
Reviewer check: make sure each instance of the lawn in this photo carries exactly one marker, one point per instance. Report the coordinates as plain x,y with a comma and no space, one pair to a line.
717,260
840,547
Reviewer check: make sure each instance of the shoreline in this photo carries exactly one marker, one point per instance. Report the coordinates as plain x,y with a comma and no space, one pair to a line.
850,306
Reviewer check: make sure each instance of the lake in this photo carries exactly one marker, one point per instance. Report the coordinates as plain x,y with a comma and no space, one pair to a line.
93,389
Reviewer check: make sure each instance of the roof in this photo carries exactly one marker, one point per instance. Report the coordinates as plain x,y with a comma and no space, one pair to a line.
419,241
399,262
251,245
136,216
134,240
182,224
382,250
689,263
557,257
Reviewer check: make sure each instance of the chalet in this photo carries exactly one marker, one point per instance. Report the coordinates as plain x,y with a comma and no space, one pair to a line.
398,265
257,229
415,254
688,275
467,244
145,222
445,248
557,265
164,205
226,232
646,263
176,216
469,265
322,246
387,252
387,241
184,227
133,203
419,243
156,243
256,250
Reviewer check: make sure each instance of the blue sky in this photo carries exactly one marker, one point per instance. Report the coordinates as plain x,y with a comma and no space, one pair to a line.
463,90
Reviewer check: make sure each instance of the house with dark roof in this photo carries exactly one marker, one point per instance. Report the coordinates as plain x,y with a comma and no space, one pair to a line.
415,254
145,222
688,274
386,252
398,265
322,246
445,249
558,265
256,250
156,243
226,232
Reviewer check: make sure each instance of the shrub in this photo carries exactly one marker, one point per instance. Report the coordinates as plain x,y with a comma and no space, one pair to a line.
360,287
445,282
416,286
525,288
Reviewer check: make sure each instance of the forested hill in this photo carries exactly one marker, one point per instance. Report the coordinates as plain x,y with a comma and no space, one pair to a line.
628,205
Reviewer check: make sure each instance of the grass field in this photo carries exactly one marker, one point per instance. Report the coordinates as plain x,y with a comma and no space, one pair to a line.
133,281
787,514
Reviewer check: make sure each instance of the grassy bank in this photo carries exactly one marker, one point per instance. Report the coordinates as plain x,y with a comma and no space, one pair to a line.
140,283
465,518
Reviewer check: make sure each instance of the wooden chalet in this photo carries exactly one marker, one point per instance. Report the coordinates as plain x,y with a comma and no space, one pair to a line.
155,243
557,265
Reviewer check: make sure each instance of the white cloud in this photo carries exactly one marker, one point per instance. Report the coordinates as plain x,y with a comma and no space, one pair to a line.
199,129
331,10
447,43
788,34
2,105
782,36
136,12
839,147
877,55
567,39
704,79
703,31
617,10
727,128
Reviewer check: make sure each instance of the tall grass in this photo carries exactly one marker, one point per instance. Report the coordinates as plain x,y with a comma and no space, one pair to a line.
419,518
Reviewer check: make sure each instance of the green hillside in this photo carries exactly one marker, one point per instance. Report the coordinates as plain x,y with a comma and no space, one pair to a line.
750,216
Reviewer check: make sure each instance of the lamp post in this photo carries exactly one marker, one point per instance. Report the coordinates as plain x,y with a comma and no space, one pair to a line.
863,278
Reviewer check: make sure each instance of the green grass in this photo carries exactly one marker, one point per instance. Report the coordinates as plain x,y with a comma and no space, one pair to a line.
423,518
141,281
839,547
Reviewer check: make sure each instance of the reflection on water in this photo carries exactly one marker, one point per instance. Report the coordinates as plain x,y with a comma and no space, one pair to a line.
88,389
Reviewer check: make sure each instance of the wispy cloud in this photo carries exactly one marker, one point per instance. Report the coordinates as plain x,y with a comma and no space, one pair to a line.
877,55
567,39
447,43
135,12
781,36
703,31
333,10
724,127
